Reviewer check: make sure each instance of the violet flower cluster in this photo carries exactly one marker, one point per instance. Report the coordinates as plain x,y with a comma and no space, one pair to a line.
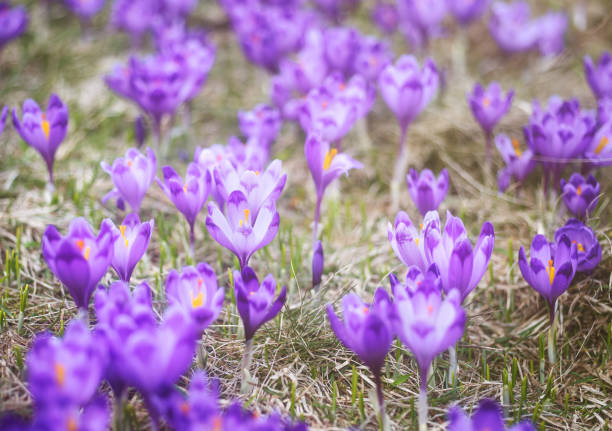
13,22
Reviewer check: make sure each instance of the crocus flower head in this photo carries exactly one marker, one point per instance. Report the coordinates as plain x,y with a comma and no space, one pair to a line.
427,324
386,17
258,187
263,123
93,416
190,195
467,11
461,265
195,291
85,9
519,162
371,58
133,16
599,75
341,46
489,105
44,131
560,132
140,131
407,88
588,250
599,151
580,195
131,242
551,27
13,22
367,328
421,21
66,371
414,278
407,239
255,302
427,191
488,416
512,27
132,176
80,259
551,267
240,231
325,163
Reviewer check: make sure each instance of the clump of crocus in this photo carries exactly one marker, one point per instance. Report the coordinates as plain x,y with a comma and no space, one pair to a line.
558,134
325,164
131,242
588,250
188,196
519,162
256,306
44,131
80,259
63,379
262,123
340,47
428,325
241,231
599,75
580,195
427,191
488,416
467,11
407,89
421,21
367,330
488,106
13,22
132,176
195,290
550,271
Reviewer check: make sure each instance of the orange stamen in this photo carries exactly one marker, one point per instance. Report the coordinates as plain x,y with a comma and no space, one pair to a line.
329,158
45,126
579,190
80,244
198,301
185,408
602,144
551,271
72,425
517,147
60,374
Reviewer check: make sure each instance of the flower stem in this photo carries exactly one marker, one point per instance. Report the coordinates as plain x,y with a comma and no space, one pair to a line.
552,337
452,366
316,219
399,170
381,402
489,152
244,366
192,241
423,407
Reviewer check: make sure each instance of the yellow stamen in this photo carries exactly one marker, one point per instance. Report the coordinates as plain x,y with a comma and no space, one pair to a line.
579,190
198,301
122,229
421,226
185,188
72,425
60,374
602,144
517,147
246,217
45,126
329,158
256,173
579,246
86,253
551,271
416,241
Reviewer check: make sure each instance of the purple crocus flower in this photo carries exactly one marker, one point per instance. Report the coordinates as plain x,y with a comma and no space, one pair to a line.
511,26
427,191
551,268
559,133
407,88
461,265
467,11
414,278
599,151
599,75
371,58
255,301
44,131
341,45
263,123
420,21
427,325
386,17
188,196
258,188
588,250
13,22
580,195
551,27
488,416
66,372
325,164
3,119
134,17
85,9
407,240
240,231
93,416
195,291
519,162
131,242
488,107
132,176
367,330
80,259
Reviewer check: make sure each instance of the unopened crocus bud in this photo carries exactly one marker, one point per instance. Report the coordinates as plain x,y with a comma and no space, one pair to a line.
140,131
427,191
318,263
599,75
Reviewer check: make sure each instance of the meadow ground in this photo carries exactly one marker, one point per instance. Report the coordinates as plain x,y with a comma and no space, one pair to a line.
302,368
